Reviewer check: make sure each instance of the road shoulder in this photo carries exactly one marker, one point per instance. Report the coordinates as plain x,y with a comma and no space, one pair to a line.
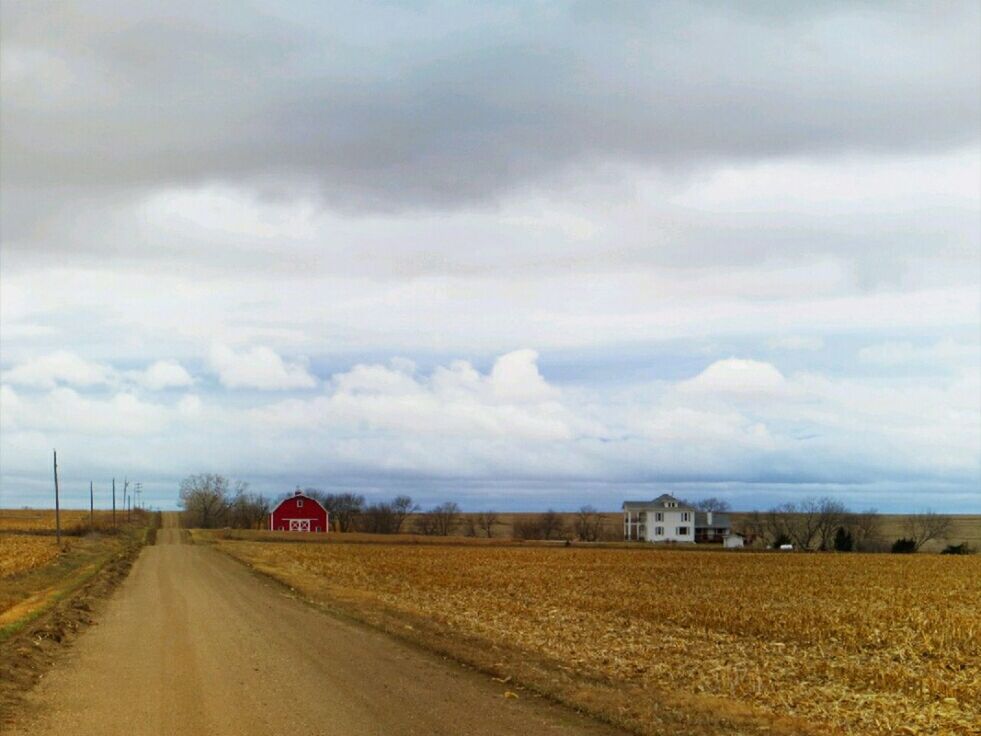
48,622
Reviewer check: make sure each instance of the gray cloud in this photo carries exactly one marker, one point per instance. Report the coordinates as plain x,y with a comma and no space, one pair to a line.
460,107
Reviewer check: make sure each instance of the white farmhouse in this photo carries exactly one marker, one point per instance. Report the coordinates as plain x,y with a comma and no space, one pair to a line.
665,519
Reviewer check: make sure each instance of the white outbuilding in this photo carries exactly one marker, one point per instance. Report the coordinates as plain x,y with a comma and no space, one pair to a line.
734,540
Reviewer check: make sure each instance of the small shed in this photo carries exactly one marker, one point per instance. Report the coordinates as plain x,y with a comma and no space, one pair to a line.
734,540
298,513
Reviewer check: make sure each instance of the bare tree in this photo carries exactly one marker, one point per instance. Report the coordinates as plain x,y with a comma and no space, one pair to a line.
866,529
343,508
929,525
481,524
832,515
777,523
551,524
804,522
424,523
529,528
713,504
754,526
402,507
378,518
486,521
205,499
439,521
248,510
446,516
588,524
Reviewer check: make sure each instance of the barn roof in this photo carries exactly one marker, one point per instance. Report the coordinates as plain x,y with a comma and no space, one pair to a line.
298,494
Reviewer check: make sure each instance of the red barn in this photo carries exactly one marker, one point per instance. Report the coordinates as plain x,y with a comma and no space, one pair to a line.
298,513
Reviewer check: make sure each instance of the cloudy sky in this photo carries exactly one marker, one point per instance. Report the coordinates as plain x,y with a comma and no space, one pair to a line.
516,255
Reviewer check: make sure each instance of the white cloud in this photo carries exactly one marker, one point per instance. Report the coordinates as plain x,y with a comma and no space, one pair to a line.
190,405
513,401
709,428
887,353
65,368
64,410
945,353
738,377
739,420
60,367
848,184
515,377
809,343
259,367
163,374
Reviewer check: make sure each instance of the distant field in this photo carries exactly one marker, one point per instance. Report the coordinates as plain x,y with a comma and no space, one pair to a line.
669,642
964,527
43,520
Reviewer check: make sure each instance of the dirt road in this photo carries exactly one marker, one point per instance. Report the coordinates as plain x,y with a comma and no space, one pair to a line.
194,643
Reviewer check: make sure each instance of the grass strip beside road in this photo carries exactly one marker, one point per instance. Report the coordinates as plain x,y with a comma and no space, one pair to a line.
27,595
44,608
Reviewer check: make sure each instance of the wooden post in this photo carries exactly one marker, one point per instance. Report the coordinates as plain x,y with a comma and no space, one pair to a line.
57,501
91,508
113,503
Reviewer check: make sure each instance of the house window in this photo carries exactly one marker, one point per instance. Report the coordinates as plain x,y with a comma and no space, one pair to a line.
658,516
659,531
299,503
682,531
684,516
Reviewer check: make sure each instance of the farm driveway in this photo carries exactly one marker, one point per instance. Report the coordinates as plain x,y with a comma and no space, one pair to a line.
194,643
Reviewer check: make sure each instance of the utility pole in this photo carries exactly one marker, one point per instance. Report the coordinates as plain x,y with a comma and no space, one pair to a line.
113,503
126,497
91,508
57,501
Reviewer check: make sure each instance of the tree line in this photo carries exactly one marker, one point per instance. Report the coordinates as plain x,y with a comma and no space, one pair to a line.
827,524
212,501
209,501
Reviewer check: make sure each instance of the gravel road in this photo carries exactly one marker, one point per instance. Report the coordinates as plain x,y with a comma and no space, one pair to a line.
195,643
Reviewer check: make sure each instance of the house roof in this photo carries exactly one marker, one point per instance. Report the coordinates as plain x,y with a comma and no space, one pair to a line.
661,502
719,520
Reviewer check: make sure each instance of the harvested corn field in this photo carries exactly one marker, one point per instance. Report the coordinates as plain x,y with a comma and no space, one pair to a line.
856,644
24,552
40,521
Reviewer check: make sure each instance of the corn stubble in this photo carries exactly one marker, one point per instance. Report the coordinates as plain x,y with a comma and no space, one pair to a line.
856,644
27,536
43,520
19,553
